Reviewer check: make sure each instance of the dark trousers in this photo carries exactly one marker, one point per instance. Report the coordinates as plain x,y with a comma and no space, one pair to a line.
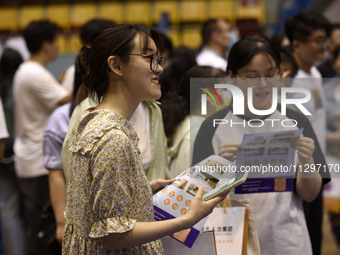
11,220
313,214
35,194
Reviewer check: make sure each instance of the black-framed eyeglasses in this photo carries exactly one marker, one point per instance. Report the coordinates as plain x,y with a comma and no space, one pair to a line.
320,41
155,60
271,78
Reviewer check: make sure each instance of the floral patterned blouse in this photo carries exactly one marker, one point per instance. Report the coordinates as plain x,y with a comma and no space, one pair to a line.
107,190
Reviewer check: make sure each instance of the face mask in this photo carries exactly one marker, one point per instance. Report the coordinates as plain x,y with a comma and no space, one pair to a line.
233,35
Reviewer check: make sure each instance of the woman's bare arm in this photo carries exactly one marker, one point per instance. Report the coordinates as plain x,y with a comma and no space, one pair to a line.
145,232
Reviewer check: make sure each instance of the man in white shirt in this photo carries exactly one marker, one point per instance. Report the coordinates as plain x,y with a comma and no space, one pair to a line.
36,95
308,35
215,44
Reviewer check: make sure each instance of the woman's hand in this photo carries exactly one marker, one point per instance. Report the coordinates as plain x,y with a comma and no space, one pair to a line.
305,149
60,232
228,151
308,183
157,185
200,209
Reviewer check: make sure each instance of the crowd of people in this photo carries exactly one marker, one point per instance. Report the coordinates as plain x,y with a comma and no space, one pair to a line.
82,156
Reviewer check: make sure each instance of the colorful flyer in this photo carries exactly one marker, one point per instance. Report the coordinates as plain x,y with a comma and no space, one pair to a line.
269,160
175,199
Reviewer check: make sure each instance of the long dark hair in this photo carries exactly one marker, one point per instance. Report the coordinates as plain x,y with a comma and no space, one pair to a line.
117,40
244,50
9,63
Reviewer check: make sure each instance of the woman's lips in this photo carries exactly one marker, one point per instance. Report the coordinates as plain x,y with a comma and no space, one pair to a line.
262,94
155,80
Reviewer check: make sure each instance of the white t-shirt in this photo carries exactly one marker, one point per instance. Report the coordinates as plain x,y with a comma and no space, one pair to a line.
68,79
183,143
3,127
209,57
36,95
141,124
317,105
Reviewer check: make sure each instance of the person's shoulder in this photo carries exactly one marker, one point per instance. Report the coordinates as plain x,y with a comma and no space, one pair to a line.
315,73
34,74
101,127
58,122
152,104
30,67
24,70
61,112
326,69
220,114
153,108
204,54
86,104
79,111
101,122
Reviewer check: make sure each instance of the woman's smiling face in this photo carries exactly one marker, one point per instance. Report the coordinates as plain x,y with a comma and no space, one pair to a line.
142,81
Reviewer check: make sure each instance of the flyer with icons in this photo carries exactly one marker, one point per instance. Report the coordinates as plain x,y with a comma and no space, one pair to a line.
269,160
215,173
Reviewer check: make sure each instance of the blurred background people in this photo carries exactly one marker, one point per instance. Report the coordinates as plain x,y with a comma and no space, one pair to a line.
87,34
11,221
182,59
182,117
280,40
308,34
3,131
36,95
330,68
215,43
54,135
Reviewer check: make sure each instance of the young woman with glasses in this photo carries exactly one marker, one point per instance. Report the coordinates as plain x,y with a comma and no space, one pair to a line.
109,206
277,217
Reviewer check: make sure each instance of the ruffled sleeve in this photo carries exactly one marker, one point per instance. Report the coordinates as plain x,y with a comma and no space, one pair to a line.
112,225
87,138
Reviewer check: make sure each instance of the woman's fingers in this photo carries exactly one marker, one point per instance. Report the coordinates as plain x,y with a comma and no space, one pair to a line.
200,193
229,151
229,148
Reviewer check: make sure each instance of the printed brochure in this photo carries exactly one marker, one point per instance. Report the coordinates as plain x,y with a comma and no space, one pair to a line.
215,173
269,159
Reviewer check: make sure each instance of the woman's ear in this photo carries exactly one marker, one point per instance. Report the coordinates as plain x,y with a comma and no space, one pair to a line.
114,64
230,74
46,46
296,44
